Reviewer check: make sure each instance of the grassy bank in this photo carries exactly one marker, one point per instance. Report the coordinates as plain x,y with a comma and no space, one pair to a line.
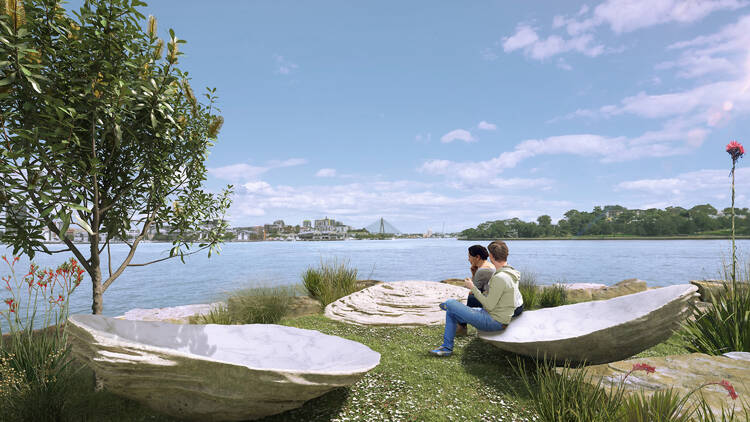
476,383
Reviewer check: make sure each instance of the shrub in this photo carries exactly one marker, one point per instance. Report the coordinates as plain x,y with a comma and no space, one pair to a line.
529,289
261,305
724,326
265,305
567,396
662,406
35,365
331,281
552,296
217,315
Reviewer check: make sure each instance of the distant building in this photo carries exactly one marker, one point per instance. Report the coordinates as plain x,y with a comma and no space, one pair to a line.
306,224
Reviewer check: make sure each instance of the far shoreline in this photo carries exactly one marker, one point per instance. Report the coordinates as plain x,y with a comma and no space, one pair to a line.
687,237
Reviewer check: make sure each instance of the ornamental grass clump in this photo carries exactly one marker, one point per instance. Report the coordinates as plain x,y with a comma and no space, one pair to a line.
529,289
330,281
260,305
552,296
724,326
35,365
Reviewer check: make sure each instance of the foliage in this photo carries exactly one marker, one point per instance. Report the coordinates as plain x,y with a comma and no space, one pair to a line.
264,305
662,406
567,396
330,281
34,365
615,220
529,289
100,129
704,413
723,326
554,295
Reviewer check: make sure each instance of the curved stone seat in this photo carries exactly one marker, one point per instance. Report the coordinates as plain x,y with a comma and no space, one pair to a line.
217,372
405,303
597,332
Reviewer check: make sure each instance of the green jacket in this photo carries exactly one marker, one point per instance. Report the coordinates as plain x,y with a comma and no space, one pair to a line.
500,299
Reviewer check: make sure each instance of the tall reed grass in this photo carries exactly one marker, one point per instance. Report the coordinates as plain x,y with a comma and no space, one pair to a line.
529,289
330,281
723,326
554,295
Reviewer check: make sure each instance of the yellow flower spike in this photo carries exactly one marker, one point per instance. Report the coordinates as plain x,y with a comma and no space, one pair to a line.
159,49
151,26
215,126
14,9
173,50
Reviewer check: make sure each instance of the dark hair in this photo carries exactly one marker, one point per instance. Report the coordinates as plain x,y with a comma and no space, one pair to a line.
499,250
480,251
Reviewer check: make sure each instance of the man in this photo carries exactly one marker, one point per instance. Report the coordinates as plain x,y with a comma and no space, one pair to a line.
498,305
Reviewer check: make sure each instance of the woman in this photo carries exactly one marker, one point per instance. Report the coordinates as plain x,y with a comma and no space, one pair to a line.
498,305
482,271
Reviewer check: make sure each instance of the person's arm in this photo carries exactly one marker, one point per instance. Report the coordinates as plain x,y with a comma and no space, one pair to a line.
497,288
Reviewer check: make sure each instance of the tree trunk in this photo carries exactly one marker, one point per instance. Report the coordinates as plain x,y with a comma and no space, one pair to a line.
96,277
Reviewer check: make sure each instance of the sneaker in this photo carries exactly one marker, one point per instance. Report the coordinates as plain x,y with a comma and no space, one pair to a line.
462,331
441,351
442,306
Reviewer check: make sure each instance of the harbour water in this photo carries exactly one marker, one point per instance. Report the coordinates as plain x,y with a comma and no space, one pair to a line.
202,280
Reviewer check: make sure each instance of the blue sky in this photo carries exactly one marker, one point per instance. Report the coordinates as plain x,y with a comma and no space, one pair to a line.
430,113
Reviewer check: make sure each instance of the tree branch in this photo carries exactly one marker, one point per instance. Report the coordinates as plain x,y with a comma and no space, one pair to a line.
169,257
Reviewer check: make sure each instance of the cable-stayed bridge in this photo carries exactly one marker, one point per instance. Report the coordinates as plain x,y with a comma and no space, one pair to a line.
382,227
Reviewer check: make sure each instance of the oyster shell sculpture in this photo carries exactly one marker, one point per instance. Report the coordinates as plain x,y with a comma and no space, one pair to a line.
599,331
216,372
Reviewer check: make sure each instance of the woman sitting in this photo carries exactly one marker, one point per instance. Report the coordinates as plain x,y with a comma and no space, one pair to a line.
482,271
498,304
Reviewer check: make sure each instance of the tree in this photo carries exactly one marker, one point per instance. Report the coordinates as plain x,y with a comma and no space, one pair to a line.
101,130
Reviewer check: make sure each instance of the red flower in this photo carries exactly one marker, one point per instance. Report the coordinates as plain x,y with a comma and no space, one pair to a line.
727,386
644,367
736,150
11,305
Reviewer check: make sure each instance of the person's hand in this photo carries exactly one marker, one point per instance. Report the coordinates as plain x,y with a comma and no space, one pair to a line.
468,283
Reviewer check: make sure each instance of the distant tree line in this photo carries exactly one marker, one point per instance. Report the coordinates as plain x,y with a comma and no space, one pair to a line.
615,220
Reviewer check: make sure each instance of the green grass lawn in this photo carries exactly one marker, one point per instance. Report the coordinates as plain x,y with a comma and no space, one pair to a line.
476,383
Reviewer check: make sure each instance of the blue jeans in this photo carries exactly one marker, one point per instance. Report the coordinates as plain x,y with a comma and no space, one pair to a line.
458,313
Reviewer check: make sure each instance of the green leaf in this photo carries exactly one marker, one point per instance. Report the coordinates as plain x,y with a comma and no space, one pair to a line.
78,207
35,85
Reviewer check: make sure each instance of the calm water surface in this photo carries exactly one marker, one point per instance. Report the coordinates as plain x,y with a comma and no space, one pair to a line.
201,280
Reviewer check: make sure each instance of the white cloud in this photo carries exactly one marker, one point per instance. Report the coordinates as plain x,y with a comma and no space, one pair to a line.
690,188
283,65
326,173
457,135
619,15
359,204
483,125
242,172
535,47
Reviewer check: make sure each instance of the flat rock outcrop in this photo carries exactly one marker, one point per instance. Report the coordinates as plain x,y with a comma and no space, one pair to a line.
683,373
582,292
174,314
216,372
709,289
598,331
406,303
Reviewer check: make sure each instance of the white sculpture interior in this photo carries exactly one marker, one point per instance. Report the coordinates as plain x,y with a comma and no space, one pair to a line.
598,331
217,372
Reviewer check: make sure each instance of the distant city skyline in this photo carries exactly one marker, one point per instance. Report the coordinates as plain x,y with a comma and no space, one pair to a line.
427,113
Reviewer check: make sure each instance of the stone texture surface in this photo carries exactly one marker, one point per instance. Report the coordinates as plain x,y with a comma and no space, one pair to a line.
683,373
175,314
708,289
454,281
216,372
408,303
598,331
304,305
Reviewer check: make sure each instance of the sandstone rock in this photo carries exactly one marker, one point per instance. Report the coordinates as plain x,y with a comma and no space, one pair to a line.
708,289
304,305
683,373
175,314
597,331
363,284
582,292
625,287
408,303
216,372
454,281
